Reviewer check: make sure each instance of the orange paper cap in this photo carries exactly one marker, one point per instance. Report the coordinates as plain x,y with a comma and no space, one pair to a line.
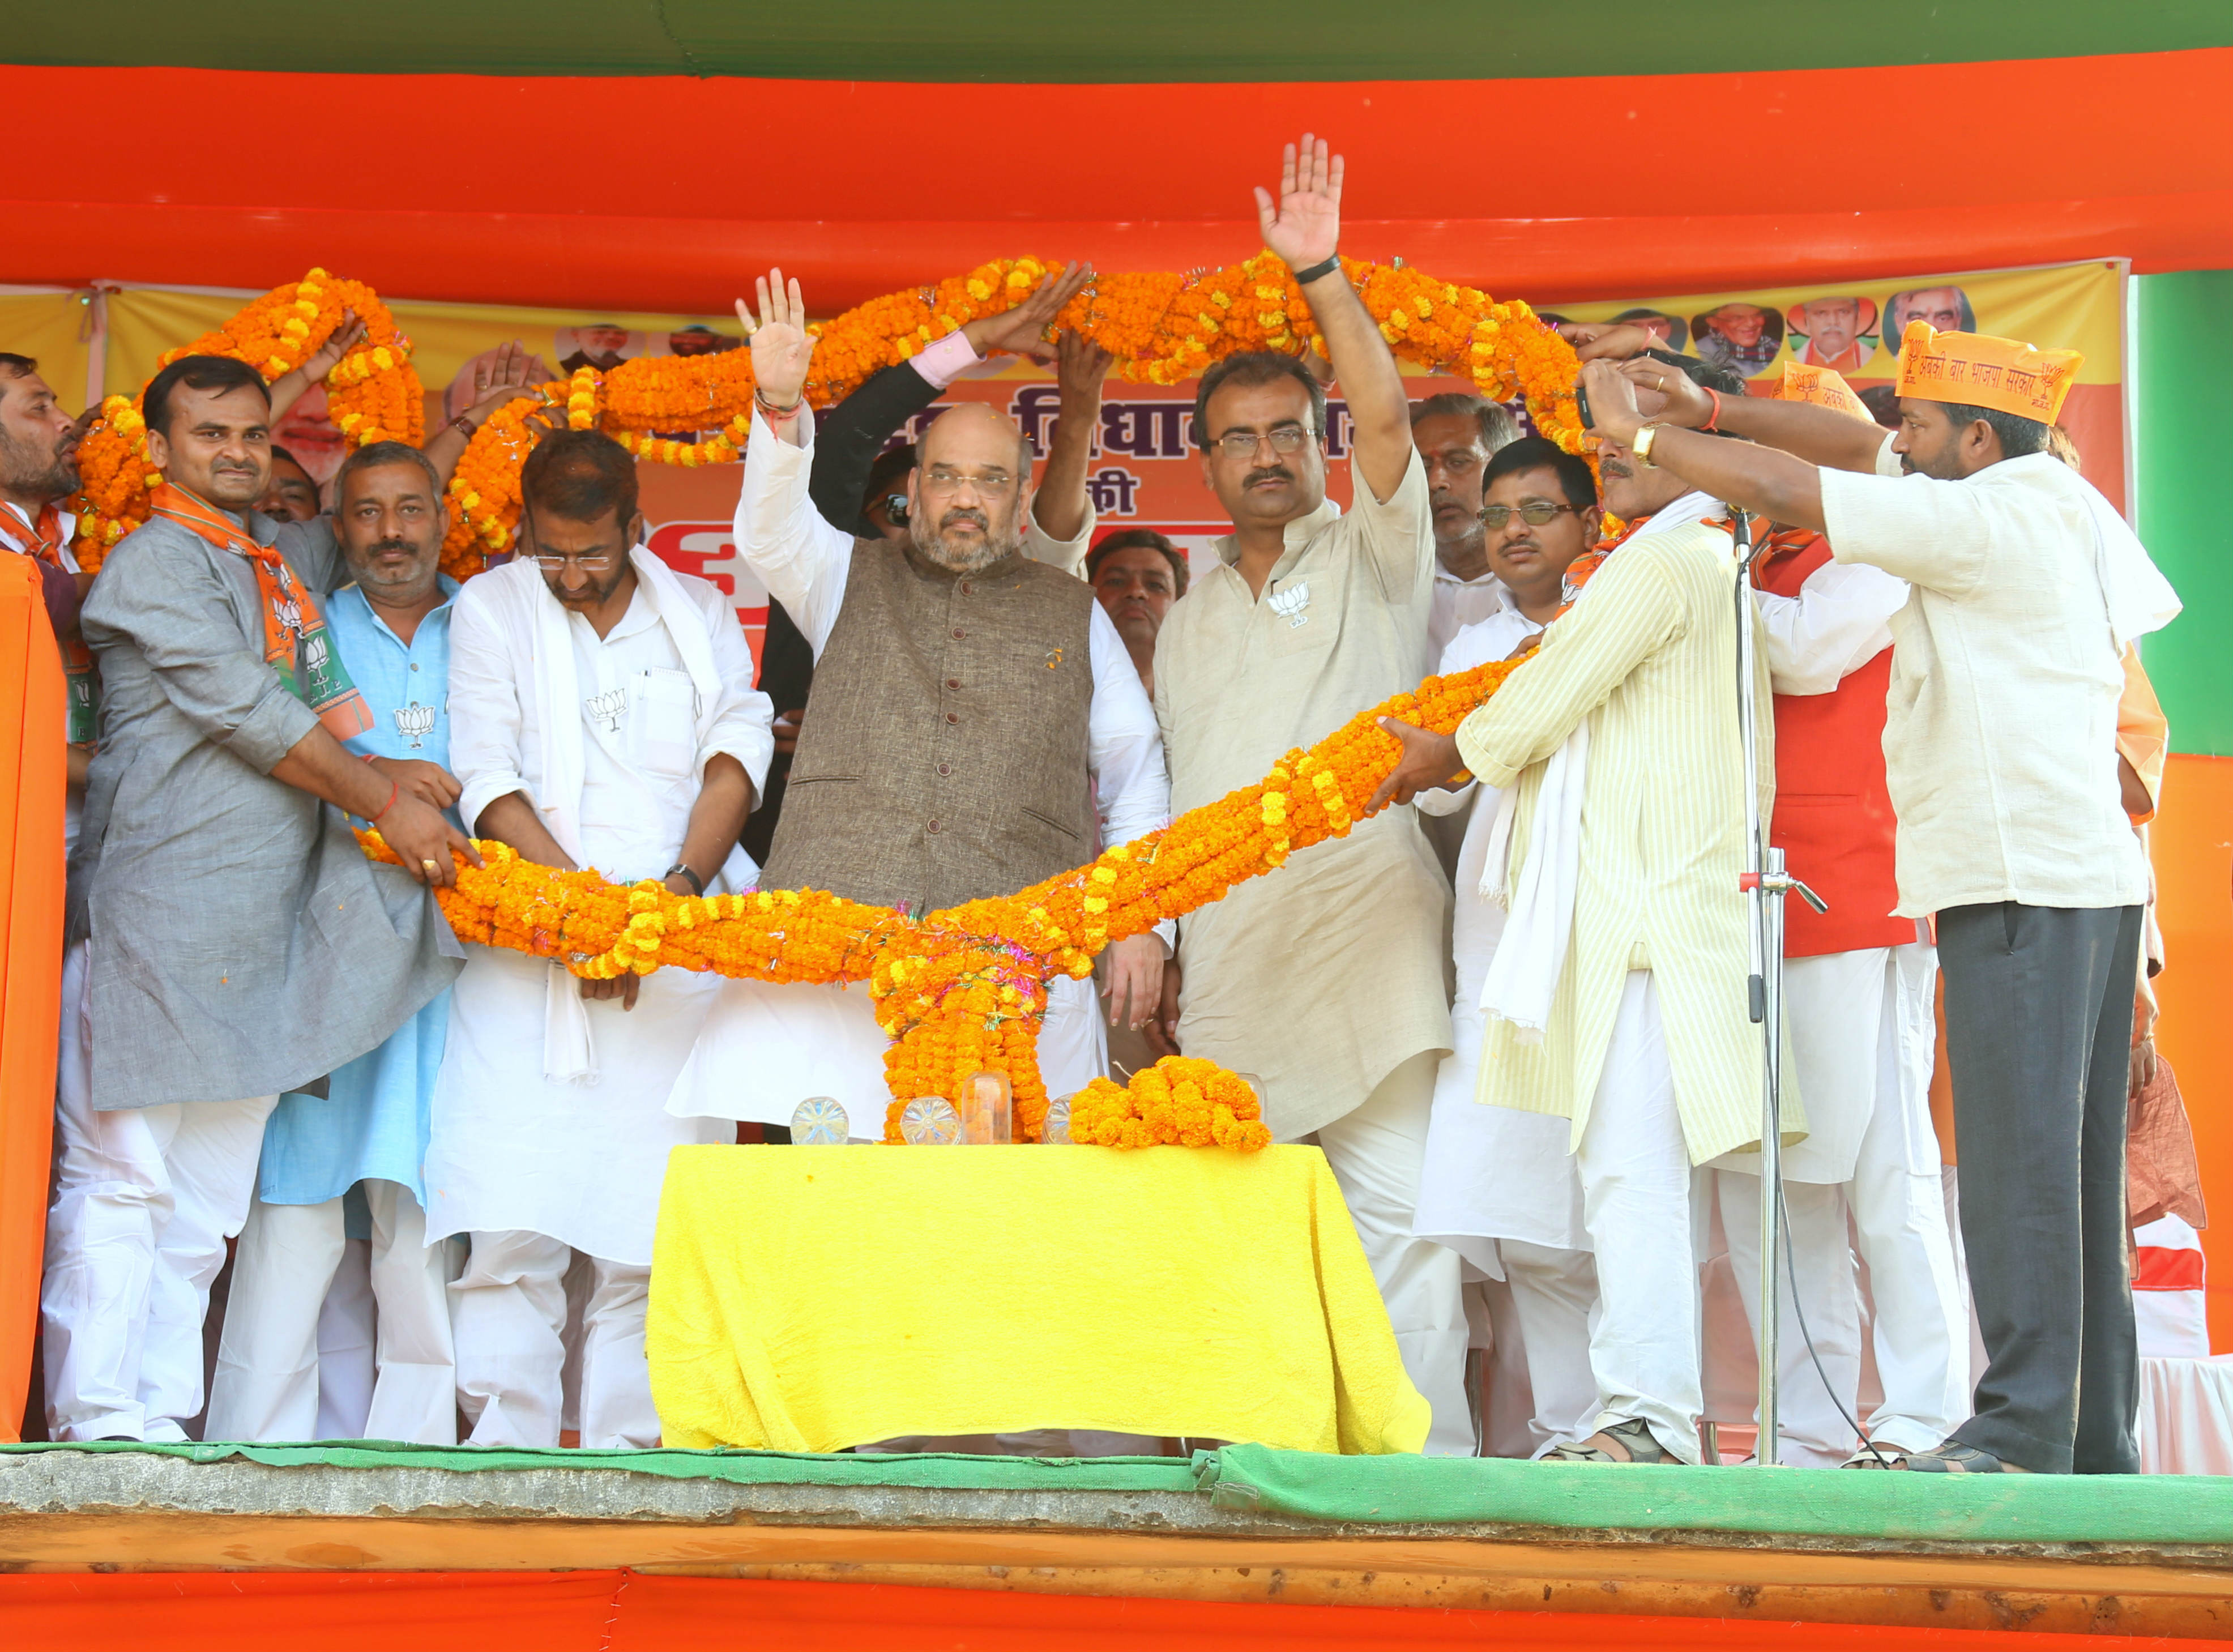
1982,371
1824,388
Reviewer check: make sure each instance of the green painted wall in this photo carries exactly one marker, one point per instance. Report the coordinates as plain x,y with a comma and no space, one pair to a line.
1091,41
2183,351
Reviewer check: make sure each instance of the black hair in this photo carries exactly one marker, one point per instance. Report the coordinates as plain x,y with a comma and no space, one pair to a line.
1882,402
279,452
580,474
1709,376
2020,437
1138,538
20,365
217,373
1497,428
1255,368
1539,454
383,453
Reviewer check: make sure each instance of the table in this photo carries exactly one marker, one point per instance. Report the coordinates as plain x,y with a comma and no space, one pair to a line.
813,1298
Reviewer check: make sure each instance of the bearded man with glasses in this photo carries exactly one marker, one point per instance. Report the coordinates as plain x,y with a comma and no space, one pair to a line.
1327,980
974,709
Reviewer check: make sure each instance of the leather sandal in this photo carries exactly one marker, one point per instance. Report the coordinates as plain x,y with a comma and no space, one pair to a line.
1954,1458
1633,1439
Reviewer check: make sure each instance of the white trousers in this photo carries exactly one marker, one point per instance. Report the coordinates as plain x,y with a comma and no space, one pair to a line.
1896,1201
1554,1295
1376,1151
1636,1201
267,1385
508,1312
349,1332
145,1199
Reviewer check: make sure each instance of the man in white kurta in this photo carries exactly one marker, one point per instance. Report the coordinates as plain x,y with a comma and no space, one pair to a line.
617,728
1499,1186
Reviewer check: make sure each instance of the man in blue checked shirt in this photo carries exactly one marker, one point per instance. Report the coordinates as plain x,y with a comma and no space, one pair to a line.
370,1130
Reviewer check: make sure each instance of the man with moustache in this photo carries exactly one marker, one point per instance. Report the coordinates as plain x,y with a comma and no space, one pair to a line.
38,471
368,1131
970,706
601,715
233,940
1455,434
1328,980
1615,998
2025,586
1499,1187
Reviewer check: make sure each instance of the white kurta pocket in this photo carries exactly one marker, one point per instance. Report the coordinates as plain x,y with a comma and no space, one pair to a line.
664,726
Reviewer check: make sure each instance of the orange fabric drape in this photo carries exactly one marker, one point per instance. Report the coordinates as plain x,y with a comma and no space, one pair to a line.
625,1611
33,775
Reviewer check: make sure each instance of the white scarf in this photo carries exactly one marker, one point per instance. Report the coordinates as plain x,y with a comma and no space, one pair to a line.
1523,977
570,1053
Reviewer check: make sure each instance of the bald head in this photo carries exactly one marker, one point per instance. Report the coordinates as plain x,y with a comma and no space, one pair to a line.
970,489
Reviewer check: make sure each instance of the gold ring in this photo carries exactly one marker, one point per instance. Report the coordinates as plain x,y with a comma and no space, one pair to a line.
1660,384
432,866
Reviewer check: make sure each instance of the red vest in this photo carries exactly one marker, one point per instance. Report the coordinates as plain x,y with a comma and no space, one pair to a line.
1833,818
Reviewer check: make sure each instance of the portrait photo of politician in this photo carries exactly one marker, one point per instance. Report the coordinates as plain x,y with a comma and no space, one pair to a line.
1947,308
1740,336
1671,330
1838,332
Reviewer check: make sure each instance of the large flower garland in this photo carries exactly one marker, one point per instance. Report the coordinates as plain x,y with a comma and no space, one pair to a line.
371,394
1161,328
963,989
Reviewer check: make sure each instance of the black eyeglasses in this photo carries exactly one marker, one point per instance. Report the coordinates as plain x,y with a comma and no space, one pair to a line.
1535,513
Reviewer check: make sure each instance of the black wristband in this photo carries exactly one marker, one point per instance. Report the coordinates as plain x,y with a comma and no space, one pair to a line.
1303,277
697,883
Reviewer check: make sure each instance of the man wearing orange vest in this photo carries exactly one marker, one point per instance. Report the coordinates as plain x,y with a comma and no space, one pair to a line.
2027,586
1858,985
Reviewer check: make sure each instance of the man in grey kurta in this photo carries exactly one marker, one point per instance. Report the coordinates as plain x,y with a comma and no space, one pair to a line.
231,938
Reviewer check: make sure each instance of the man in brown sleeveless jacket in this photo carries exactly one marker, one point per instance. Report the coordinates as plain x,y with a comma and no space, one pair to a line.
973,709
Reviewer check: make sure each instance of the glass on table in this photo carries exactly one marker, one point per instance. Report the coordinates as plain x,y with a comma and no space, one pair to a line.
930,1121
821,1121
987,1112
1055,1131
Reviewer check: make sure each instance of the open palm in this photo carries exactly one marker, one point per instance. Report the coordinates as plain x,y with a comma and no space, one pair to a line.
782,347
1304,225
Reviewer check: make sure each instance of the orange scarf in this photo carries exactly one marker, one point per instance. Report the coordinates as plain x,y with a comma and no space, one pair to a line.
41,540
45,534
295,641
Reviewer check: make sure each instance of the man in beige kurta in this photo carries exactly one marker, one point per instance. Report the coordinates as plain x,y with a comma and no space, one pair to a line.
1327,979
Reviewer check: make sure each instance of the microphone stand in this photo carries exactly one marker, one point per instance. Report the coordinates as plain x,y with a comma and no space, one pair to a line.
1765,883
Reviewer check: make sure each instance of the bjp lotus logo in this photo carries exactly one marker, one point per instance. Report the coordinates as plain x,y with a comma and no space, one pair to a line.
606,708
1291,605
415,722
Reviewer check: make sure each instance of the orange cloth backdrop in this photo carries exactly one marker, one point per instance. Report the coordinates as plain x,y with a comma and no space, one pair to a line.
33,775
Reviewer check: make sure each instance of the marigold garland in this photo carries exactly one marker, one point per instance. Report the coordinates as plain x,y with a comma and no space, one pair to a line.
1161,327
962,989
371,394
1180,1101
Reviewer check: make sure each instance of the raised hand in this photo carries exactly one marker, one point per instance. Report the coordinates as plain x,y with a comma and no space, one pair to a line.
512,373
1080,368
1022,331
345,337
1304,225
782,347
1686,402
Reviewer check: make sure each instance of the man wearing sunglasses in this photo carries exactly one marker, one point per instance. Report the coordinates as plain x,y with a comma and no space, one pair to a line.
1327,979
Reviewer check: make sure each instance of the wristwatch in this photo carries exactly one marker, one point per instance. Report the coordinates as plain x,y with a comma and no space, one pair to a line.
1646,436
697,883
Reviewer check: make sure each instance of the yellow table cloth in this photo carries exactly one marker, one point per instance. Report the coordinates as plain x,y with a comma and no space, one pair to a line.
811,1298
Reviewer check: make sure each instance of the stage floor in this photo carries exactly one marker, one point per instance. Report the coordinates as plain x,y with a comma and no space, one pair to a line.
2137,1556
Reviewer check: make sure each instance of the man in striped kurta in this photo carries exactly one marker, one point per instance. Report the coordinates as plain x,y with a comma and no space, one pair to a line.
1647,1046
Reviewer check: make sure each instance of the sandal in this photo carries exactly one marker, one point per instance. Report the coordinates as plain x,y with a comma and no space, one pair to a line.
1633,1439
1879,1457
1954,1458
